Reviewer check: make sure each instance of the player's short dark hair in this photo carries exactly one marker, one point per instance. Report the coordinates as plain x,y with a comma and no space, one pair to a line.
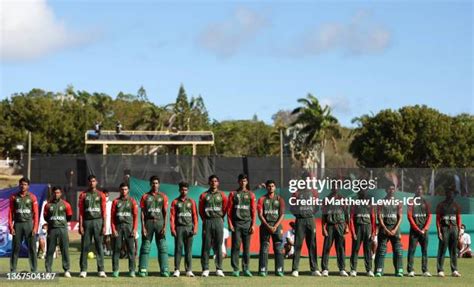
91,177
123,184
153,178
54,188
24,179
242,176
183,184
463,226
105,190
270,181
212,177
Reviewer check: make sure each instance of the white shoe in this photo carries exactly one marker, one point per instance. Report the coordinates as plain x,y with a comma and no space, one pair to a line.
176,273
456,274
427,274
102,274
325,273
205,273
411,274
83,274
295,273
316,273
343,273
441,274
67,274
190,274
219,273
370,273
353,273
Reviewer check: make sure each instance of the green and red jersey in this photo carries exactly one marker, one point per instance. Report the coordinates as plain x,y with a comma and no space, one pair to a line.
242,207
154,205
23,208
448,213
92,205
124,211
212,204
271,207
361,215
57,213
183,212
419,216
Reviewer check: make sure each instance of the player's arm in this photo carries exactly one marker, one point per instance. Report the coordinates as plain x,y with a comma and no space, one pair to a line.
438,221
195,217
411,219
142,214
282,213
81,213
172,217
380,218
253,210
135,216
113,221
165,211
347,217
103,208
201,207
11,215
399,219
352,223
458,218
373,221
428,220
34,202
230,210
260,213
68,211
225,204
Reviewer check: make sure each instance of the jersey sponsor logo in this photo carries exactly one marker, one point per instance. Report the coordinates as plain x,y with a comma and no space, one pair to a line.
271,211
419,215
390,215
246,207
93,209
246,196
57,218
154,210
23,211
364,215
213,208
184,214
124,214
449,217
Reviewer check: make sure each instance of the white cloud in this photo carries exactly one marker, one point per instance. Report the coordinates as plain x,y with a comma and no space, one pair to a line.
340,105
29,30
225,38
361,35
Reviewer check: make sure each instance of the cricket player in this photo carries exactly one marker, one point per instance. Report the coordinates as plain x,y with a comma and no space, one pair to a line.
419,216
448,223
363,231
242,212
124,223
305,229
23,223
335,224
57,212
184,225
212,209
92,214
389,217
154,205
271,211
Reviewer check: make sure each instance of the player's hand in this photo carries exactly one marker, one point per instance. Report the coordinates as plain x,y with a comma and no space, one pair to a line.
325,231
231,228
81,230
115,233
252,229
144,231
440,236
195,232
33,232
354,236
173,233
422,232
346,230
163,230
12,231
103,230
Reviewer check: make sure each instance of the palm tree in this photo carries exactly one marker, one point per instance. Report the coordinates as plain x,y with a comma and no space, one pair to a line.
314,125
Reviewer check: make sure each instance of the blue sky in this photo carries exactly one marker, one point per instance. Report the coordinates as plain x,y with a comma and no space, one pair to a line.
246,58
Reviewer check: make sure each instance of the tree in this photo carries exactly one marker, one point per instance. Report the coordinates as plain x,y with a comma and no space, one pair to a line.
141,94
314,126
182,110
413,136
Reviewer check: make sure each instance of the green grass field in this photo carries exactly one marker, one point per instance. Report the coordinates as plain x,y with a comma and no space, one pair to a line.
466,267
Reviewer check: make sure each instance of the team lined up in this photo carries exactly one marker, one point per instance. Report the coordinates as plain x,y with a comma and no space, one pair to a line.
241,209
